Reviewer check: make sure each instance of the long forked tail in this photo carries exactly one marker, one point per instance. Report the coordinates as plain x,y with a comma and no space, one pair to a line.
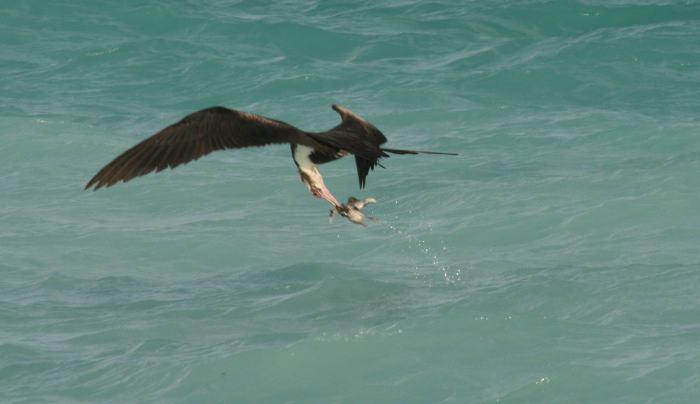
400,151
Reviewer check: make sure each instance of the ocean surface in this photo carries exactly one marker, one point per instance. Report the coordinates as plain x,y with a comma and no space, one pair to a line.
555,260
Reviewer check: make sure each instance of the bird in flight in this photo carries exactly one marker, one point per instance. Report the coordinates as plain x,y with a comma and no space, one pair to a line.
219,128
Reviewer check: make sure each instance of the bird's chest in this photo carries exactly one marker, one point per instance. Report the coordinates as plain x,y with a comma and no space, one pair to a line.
306,157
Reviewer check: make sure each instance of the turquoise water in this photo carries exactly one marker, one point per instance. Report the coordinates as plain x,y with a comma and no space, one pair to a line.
555,260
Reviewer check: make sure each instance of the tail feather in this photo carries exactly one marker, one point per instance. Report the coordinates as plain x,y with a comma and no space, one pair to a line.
400,151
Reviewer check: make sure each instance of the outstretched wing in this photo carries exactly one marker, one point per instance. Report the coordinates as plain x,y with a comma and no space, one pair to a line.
358,137
194,136
365,149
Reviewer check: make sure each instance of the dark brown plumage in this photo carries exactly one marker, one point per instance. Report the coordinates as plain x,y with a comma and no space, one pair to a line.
219,128
194,136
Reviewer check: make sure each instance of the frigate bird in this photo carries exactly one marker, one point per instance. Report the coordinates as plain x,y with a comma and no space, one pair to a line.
218,128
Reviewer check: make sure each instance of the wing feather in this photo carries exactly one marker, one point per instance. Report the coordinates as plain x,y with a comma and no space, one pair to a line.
363,167
196,135
358,137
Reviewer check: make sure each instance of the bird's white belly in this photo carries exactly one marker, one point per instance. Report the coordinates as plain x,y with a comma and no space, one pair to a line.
302,157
